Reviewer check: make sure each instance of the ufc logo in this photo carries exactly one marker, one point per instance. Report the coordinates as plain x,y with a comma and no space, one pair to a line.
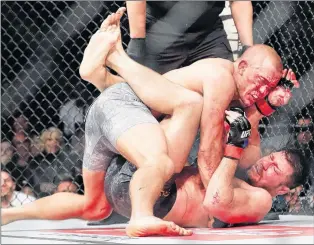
245,134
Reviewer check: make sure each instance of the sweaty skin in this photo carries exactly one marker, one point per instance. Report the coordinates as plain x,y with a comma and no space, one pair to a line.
219,82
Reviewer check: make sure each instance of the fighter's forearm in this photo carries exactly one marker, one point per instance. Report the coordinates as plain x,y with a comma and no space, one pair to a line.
210,153
216,101
242,13
137,18
253,151
220,190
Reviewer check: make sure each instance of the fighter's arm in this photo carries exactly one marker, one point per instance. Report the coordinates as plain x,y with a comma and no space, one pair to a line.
228,201
217,96
253,151
137,18
217,88
242,13
227,198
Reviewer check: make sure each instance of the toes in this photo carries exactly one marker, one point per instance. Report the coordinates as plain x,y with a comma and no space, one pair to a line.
187,232
121,10
116,19
183,232
104,24
111,28
176,230
113,18
119,14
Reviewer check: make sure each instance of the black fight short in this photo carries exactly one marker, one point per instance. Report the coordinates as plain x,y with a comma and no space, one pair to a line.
117,183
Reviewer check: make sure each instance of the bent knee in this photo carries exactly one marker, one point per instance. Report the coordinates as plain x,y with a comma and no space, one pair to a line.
163,164
96,211
97,214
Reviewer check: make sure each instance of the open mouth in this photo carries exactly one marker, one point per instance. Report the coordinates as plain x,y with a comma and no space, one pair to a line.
252,97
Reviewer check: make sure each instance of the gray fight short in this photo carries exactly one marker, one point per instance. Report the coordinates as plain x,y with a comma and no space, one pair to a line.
116,110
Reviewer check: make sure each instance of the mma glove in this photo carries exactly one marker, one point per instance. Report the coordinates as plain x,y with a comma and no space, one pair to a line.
264,106
137,49
239,132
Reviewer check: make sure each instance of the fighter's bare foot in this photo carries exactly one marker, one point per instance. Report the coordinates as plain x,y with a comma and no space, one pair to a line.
115,21
150,226
93,67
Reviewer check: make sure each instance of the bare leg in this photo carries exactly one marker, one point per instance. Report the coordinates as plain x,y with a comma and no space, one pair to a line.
149,154
56,207
160,94
166,97
61,206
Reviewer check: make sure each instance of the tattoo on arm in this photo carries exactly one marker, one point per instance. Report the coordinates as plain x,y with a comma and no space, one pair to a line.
216,198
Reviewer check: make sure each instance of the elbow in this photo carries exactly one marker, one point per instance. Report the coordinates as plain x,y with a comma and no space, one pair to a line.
218,211
215,205
218,204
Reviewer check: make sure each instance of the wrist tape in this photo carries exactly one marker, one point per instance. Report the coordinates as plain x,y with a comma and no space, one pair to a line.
233,152
264,107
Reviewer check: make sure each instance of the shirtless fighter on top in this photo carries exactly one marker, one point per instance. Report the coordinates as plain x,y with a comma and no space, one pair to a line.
119,123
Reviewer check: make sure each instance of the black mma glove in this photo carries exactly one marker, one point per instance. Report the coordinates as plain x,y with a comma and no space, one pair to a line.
137,49
240,131
264,106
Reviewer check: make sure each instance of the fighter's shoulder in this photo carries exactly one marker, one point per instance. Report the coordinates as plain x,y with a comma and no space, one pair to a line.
214,63
258,192
263,200
262,197
214,68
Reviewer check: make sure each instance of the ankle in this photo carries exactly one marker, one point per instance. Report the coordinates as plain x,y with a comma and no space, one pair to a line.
139,215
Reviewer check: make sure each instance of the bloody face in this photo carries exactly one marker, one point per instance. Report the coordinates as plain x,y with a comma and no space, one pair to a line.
258,82
271,172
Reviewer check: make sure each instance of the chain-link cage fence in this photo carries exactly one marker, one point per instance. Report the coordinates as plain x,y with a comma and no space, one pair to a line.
289,28
43,99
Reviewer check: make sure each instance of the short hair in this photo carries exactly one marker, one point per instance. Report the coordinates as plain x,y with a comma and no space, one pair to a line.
298,161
